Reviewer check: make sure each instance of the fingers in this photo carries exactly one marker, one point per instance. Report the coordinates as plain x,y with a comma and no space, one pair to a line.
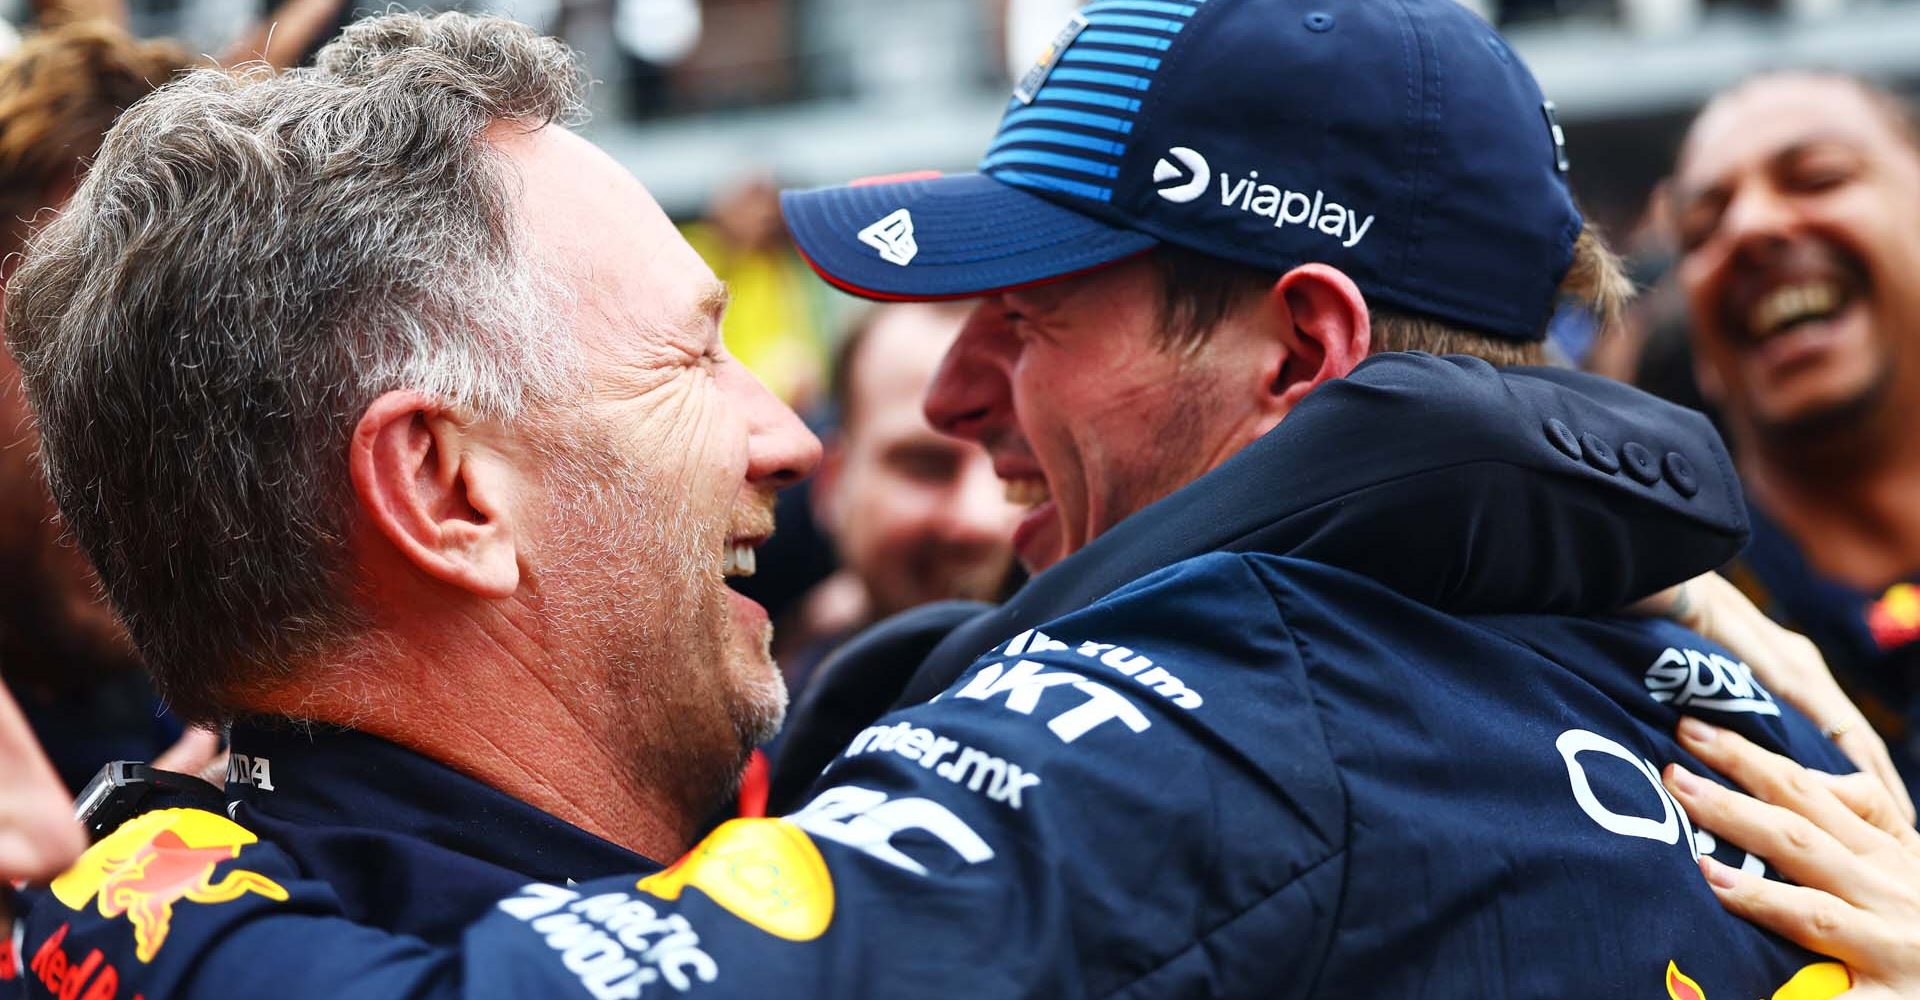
1785,661
1777,781
1672,602
1791,665
1815,920
1867,797
38,835
35,844
1845,838
1789,842
1788,663
191,753
1868,752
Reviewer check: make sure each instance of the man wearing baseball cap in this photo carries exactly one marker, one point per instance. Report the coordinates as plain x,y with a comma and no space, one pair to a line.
1196,222
1192,215
1308,761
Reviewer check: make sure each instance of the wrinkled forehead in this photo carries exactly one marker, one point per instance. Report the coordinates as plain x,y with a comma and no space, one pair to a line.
1757,121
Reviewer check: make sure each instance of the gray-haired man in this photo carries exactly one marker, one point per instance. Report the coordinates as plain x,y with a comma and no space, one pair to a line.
398,424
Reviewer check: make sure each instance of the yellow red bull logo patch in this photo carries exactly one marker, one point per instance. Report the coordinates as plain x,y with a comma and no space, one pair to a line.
142,869
1819,981
767,872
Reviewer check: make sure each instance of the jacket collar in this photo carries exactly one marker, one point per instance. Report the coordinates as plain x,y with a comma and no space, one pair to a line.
313,776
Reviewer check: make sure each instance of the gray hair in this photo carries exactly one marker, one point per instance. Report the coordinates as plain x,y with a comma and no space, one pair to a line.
250,262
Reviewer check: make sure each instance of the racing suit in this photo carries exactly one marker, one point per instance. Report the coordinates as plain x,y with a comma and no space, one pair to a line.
1248,773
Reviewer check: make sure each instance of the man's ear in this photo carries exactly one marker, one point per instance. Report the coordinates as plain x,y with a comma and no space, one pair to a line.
1325,328
427,487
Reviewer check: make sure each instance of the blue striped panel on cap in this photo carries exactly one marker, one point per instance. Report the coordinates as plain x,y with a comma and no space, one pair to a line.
1091,55
1130,38
1081,95
1063,137
1035,157
1125,81
1051,183
1067,115
1072,137
1180,10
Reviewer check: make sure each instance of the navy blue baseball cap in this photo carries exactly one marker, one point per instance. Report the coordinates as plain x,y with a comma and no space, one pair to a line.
1401,141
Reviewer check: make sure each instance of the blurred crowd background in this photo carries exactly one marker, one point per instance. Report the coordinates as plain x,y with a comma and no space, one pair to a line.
717,104
714,103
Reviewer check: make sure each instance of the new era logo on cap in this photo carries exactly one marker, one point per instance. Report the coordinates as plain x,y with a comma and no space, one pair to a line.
1182,175
892,235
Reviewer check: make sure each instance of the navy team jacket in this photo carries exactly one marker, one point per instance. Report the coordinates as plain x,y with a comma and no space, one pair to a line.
1248,774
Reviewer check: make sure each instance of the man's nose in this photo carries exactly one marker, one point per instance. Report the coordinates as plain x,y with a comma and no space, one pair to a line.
969,396
1758,216
781,450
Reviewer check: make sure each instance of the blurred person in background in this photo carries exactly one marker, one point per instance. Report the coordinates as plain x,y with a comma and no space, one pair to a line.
776,311
62,652
291,34
915,516
45,14
283,36
1797,201
919,522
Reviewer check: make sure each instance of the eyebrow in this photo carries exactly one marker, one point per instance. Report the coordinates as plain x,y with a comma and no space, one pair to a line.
1787,152
1825,137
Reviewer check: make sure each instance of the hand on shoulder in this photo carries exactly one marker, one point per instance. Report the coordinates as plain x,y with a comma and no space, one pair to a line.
1843,838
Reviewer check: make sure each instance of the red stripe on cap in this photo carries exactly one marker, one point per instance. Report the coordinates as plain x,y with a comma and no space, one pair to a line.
867,293
877,179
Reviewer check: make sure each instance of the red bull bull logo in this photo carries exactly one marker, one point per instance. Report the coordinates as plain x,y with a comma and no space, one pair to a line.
142,869
1819,981
1681,986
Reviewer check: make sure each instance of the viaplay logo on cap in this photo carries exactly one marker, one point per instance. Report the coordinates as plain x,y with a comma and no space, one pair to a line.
1186,170
1183,175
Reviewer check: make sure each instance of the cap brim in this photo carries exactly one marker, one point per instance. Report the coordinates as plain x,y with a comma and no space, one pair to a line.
963,235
